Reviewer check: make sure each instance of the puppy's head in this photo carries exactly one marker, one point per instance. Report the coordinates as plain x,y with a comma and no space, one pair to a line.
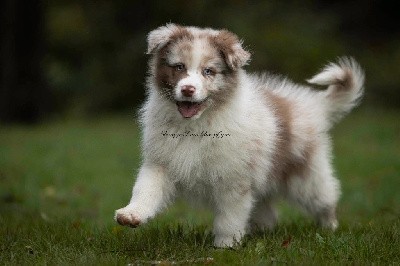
195,68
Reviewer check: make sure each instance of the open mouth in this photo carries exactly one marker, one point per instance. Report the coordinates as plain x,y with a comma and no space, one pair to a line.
189,109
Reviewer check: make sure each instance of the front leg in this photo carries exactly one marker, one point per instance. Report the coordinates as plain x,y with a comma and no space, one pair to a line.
150,194
233,208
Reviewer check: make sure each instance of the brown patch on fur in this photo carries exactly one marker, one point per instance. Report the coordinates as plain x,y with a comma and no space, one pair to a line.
211,56
226,45
169,33
181,33
167,77
310,146
230,47
285,163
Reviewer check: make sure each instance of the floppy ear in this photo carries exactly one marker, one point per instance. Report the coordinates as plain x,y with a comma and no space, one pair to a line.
232,50
160,37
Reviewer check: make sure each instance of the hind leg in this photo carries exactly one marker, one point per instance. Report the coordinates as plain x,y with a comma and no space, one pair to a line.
263,216
317,191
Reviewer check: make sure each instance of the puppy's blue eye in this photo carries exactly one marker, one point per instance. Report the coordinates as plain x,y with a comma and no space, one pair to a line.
179,67
208,72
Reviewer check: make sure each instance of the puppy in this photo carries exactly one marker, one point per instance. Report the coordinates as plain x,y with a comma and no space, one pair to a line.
235,140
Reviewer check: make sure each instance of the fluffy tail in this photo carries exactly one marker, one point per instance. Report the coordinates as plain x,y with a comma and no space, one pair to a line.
345,81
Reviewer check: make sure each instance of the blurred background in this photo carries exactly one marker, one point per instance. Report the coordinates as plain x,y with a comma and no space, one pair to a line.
72,76
84,58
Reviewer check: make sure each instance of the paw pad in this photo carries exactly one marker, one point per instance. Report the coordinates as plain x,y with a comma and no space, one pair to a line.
128,221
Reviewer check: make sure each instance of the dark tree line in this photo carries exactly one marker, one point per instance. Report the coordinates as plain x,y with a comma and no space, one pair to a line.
23,90
89,56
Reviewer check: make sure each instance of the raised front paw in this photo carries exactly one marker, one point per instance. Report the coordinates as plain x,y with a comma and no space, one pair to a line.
127,217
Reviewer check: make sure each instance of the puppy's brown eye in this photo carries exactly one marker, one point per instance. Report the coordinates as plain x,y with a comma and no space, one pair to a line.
208,72
179,67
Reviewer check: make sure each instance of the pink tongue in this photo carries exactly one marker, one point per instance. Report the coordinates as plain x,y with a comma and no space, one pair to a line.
188,109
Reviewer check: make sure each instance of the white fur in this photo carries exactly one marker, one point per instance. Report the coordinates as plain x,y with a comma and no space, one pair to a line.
333,75
216,170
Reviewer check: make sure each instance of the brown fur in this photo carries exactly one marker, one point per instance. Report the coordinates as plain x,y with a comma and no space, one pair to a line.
285,162
167,77
224,44
181,33
229,46
156,43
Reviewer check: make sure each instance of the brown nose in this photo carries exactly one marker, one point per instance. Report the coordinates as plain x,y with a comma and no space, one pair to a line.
188,90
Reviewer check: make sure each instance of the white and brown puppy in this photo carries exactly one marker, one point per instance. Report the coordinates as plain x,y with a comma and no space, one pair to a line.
212,131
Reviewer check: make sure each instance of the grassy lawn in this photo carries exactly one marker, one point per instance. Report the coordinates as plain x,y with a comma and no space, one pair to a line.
60,183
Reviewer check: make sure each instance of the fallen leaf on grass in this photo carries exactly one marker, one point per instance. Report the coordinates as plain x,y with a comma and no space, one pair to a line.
286,242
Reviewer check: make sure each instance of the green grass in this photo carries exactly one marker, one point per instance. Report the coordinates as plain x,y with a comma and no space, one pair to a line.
61,182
